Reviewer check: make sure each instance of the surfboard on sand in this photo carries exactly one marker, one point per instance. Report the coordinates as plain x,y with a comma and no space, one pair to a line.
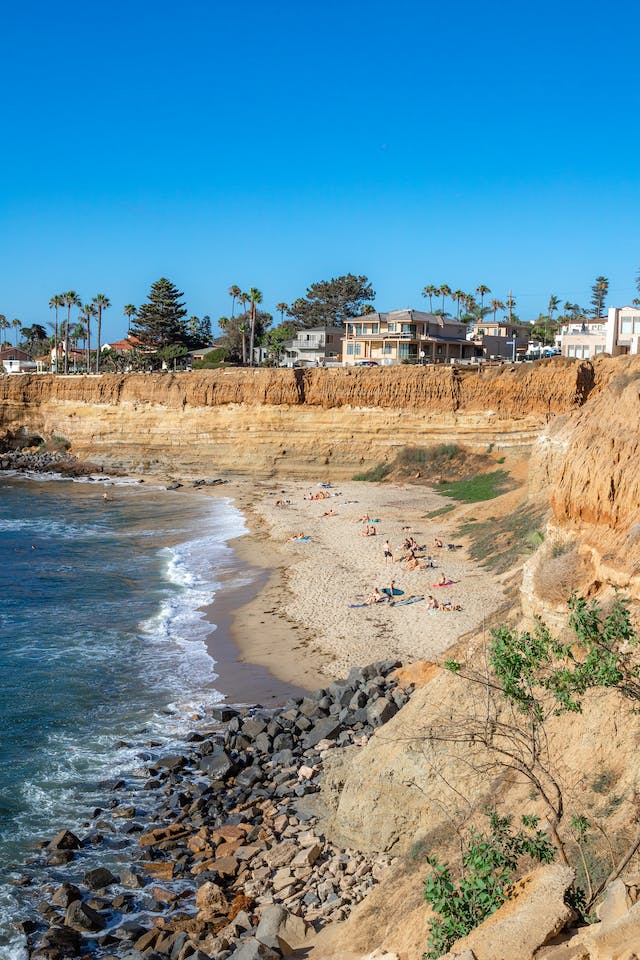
404,603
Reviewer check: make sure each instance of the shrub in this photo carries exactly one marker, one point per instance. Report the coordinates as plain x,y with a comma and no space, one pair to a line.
489,862
375,474
560,573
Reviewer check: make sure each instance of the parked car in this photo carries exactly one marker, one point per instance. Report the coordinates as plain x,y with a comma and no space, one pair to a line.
366,363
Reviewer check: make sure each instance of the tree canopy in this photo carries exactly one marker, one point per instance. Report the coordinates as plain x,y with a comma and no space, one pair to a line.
160,321
332,301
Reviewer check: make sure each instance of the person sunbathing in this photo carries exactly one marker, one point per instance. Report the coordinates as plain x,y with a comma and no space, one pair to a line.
413,564
432,603
375,596
372,531
329,513
365,519
437,542
444,580
450,607
296,536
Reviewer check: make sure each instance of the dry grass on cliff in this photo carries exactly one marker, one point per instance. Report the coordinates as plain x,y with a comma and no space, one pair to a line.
500,542
559,572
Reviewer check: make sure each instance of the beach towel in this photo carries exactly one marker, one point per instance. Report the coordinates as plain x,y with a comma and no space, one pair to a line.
449,583
301,540
404,603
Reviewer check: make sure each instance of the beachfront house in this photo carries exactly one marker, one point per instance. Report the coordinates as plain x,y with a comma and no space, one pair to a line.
14,360
582,339
314,346
495,338
622,332
405,336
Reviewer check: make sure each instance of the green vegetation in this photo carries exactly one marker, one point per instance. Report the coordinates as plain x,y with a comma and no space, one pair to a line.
212,360
375,474
528,679
440,512
489,863
484,486
499,542
333,301
418,458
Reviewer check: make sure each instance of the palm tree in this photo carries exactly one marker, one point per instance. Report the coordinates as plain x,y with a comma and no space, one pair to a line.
482,290
88,311
129,312
281,307
16,324
101,303
54,304
4,323
256,297
243,329
70,299
511,303
458,297
235,293
445,291
244,299
495,306
430,292
77,334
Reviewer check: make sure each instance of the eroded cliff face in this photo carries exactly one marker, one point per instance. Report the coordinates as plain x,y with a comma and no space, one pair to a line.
291,421
588,463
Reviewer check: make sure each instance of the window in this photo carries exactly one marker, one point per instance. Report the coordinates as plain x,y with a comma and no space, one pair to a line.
329,338
627,325
585,353
391,327
409,328
571,350
388,349
599,348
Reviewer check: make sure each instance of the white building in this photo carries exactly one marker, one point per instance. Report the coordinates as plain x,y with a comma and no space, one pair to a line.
315,345
622,331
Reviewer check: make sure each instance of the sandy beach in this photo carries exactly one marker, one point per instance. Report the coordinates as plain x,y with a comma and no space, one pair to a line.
302,626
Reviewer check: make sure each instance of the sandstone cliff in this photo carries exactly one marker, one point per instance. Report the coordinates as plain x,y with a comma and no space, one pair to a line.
586,461
292,421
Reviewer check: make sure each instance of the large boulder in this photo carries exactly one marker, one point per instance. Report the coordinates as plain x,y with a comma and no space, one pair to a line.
534,914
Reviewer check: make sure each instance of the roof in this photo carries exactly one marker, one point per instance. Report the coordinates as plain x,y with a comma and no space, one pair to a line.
13,353
121,346
407,315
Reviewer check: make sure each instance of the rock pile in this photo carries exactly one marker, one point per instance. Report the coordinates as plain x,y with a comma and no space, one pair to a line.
234,863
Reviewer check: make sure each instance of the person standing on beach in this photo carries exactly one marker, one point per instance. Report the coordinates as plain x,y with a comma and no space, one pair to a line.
388,554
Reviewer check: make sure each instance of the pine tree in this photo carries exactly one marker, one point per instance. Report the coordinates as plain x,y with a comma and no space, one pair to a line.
160,321
599,292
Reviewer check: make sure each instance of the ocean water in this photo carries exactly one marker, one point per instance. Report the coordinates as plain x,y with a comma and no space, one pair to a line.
102,646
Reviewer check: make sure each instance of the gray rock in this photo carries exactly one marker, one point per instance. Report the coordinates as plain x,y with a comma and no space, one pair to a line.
65,895
98,878
254,950
223,714
380,711
131,879
65,840
252,727
270,922
326,729
80,916
217,765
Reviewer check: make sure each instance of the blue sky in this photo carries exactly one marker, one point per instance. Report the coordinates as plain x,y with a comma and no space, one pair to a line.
273,144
